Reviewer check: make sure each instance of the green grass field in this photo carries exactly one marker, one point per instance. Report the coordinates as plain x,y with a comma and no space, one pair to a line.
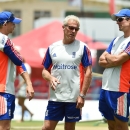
36,125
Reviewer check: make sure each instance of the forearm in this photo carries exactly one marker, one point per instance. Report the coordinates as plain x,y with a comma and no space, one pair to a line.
87,80
110,65
114,60
86,85
46,75
103,63
29,87
109,60
26,78
102,60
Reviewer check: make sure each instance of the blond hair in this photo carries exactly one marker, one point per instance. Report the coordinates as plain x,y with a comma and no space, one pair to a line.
71,17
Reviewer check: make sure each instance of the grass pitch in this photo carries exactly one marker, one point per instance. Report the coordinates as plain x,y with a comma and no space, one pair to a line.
36,125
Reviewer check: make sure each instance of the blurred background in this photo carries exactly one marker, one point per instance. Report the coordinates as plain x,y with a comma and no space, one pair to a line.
42,25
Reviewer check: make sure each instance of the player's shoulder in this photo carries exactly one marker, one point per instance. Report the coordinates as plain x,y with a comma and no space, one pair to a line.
56,43
82,44
119,38
3,38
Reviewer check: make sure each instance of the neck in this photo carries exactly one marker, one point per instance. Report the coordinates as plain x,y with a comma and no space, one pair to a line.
126,33
3,32
68,41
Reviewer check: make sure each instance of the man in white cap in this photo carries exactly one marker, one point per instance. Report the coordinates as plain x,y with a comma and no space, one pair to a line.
10,60
114,99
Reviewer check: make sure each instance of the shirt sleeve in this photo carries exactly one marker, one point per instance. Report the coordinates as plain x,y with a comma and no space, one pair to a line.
13,54
110,46
21,69
47,61
28,68
127,50
86,59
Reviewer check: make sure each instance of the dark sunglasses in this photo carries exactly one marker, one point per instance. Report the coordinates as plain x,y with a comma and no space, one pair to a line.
120,19
72,28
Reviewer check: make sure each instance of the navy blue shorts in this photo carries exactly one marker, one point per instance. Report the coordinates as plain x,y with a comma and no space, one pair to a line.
114,104
7,106
56,111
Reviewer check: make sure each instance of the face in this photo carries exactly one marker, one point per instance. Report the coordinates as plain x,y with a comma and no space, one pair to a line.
9,27
70,30
123,23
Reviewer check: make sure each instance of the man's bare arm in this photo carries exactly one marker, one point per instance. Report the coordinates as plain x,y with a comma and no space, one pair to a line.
51,79
107,60
117,60
87,80
85,87
29,88
102,60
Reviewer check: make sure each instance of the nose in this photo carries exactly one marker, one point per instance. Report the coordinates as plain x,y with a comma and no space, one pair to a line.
117,22
73,30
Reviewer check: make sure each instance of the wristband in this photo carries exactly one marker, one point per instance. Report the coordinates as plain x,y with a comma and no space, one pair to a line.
82,96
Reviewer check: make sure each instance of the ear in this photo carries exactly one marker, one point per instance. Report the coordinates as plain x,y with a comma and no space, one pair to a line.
63,27
4,24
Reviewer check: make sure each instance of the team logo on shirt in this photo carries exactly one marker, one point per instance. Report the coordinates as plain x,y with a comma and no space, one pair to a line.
122,46
3,40
73,54
54,55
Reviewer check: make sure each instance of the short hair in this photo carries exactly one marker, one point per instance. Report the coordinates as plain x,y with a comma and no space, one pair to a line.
1,26
72,17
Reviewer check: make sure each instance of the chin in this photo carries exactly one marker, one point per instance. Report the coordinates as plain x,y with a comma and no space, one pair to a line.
72,39
120,29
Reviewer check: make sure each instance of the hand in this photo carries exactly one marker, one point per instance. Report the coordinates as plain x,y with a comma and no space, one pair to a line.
30,92
53,83
121,52
80,102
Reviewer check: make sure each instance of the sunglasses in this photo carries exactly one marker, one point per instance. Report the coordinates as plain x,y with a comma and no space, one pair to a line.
72,28
120,19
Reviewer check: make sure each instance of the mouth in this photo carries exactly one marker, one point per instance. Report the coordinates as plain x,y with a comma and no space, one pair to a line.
120,26
72,35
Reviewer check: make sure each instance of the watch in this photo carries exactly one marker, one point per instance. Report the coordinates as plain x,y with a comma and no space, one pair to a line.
82,96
